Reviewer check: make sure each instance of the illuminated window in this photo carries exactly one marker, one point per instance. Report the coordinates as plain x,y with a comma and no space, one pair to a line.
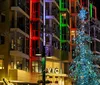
12,44
1,64
36,67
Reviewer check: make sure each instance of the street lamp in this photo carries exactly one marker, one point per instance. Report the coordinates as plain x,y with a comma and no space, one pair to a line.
42,54
44,43
43,65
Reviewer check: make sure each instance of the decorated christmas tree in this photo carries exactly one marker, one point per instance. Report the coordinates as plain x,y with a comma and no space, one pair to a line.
82,68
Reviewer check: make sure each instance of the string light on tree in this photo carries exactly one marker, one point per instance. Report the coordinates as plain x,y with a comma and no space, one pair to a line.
82,68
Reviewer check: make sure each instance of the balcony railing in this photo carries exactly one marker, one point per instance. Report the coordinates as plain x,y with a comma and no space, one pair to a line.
19,42
20,48
63,55
54,13
21,25
57,1
22,4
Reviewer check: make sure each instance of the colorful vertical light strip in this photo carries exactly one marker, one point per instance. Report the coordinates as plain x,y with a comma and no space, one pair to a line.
72,23
34,29
91,7
60,32
95,12
30,50
62,24
44,18
61,3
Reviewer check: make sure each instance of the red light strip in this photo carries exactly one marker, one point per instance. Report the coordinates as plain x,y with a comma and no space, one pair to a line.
33,31
95,11
30,29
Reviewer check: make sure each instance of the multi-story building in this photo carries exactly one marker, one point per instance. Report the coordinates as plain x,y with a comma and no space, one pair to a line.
56,40
92,26
14,49
95,36
28,25
22,25
74,8
94,30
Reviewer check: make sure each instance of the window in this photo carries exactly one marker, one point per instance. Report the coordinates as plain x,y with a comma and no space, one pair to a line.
2,39
1,64
64,46
19,65
36,25
12,44
64,18
2,17
35,67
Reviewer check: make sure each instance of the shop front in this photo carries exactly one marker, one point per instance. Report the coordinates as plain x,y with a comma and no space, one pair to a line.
55,73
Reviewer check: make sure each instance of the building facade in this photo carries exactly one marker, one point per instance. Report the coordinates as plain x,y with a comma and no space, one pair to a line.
21,34
27,25
14,32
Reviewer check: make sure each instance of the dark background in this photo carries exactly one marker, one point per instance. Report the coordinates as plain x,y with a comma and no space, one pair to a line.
97,4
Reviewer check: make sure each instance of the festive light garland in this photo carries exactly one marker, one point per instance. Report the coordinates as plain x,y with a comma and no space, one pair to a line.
82,68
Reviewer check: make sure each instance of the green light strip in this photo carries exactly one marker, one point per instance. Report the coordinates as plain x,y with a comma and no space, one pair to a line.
91,6
60,27
61,3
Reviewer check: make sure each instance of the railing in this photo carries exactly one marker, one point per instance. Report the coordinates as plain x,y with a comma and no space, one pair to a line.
19,43
21,25
54,13
56,30
20,48
56,52
64,55
57,1
22,4
97,34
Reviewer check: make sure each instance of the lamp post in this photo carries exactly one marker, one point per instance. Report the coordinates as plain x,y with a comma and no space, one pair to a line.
44,42
43,65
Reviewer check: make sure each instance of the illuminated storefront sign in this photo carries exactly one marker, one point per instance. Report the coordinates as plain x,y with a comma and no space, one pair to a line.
53,70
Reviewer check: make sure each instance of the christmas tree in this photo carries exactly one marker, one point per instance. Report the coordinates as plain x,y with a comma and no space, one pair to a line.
82,68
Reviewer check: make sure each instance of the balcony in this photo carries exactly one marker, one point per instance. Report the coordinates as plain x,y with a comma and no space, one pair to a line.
21,24
51,12
20,10
63,54
19,42
54,2
57,53
95,46
20,6
56,37
21,76
41,1
20,31
17,53
52,17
